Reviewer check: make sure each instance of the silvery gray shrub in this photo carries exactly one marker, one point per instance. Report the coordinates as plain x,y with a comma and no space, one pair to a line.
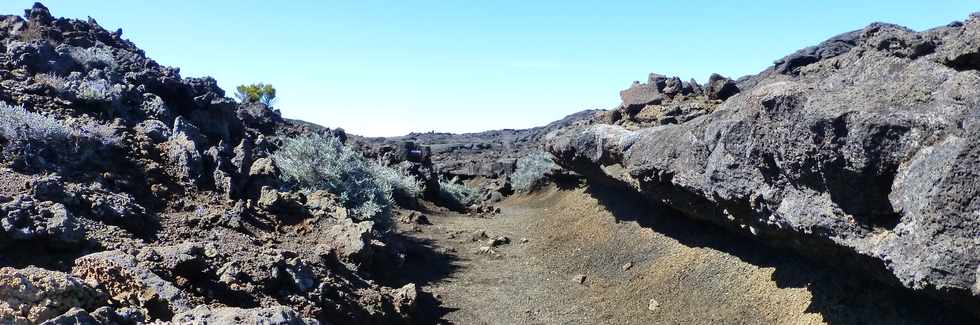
531,171
323,162
97,91
457,193
93,57
30,135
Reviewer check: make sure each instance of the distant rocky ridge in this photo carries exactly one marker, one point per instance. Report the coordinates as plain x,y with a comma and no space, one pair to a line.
861,152
491,154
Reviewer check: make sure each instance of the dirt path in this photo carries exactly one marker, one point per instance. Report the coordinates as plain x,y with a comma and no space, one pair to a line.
696,274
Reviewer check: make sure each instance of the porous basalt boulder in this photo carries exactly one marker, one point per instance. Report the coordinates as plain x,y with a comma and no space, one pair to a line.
352,240
129,283
117,209
23,218
33,295
73,317
155,130
405,299
262,173
720,88
259,117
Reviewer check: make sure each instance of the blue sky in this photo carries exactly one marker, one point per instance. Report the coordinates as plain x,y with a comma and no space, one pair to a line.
385,68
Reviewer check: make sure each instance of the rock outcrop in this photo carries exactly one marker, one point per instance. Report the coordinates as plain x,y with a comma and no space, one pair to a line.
860,152
26,219
130,284
33,295
663,100
139,196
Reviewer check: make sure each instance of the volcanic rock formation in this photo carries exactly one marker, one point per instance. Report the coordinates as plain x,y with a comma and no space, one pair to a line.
860,152
129,194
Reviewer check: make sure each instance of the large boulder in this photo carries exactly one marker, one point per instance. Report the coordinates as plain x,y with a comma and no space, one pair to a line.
639,95
405,300
837,45
864,156
32,295
129,283
75,316
189,259
352,240
116,208
668,100
261,173
720,88
24,218
155,130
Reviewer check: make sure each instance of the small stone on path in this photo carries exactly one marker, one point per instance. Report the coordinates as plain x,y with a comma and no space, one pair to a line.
502,240
654,305
479,235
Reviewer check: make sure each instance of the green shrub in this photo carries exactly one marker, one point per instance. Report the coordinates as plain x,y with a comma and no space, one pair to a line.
532,171
256,93
319,162
456,194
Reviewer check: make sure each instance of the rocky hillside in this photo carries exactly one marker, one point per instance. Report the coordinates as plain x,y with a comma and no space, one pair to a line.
860,152
129,194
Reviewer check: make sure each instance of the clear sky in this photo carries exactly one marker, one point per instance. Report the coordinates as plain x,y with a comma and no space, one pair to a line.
385,68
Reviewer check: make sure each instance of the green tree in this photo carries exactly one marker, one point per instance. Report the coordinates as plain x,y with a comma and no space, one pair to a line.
256,93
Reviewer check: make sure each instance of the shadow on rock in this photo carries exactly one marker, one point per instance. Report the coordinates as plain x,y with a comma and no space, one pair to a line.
424,263
840,298
431,310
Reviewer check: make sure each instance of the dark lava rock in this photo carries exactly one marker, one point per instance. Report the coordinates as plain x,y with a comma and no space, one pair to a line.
27,219
148,165
130,283
864,156
668,100
720,88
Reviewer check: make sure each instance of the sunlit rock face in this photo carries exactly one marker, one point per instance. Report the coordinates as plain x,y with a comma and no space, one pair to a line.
861,151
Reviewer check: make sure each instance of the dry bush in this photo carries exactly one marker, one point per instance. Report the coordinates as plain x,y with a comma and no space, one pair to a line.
456,194
318,162
532,171
36,141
